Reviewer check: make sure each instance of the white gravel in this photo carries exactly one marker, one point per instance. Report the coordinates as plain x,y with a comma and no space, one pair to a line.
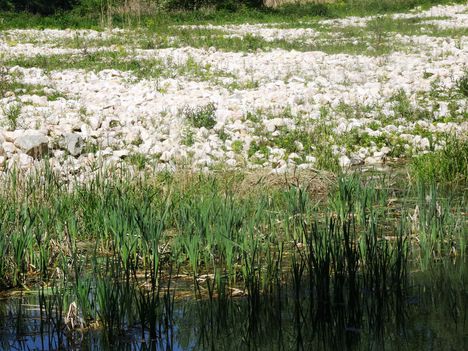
258,98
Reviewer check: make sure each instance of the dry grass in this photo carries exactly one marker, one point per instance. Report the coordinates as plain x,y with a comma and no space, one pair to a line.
276,3
317,183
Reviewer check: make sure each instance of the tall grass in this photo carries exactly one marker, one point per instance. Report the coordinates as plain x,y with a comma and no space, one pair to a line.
116,249
447,165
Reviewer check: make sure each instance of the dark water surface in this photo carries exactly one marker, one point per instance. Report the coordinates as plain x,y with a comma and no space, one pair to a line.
429,312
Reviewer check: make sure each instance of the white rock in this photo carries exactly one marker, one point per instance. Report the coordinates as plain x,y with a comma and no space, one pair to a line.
94,122
21,160
231,162
33,143
73,143
293,156
9,148
344,161
385,150
373,160
121,153
298,145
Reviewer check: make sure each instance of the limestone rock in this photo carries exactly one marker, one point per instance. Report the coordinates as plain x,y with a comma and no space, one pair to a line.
33,143
73,143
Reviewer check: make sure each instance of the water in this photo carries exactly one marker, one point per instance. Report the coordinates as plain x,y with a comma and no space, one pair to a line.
428,312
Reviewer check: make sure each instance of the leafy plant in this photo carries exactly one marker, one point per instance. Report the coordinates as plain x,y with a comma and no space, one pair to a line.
237,146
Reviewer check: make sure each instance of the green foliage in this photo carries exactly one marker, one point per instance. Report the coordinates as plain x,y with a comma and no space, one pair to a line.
445,166
237,146
202,116
188,137
5,81
43,7
12,113
87,13
462,85
6,5
193,5
139,160
120,250
206,222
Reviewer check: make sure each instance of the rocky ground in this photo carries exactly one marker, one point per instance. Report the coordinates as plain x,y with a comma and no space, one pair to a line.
304,95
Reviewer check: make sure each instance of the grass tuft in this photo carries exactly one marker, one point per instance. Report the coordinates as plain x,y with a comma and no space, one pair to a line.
447,165
462,85
202,116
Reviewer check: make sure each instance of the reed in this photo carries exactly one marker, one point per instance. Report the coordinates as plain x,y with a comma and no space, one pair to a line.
115,251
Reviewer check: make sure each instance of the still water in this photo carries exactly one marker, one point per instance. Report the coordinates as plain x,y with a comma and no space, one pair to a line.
428,312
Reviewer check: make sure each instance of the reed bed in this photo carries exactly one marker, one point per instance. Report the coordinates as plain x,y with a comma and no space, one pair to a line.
117,254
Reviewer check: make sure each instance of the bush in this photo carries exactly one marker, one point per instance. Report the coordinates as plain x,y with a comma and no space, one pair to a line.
218,4
43,7
6,5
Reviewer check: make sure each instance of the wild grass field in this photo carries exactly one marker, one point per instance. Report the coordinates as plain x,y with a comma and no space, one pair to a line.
235,178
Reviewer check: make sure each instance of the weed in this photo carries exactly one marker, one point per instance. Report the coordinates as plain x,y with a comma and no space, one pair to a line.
12,113
56,95
327,159
259,148
237,146
138,160
462,85
188,137
223,136
201,117
5,83
271,245
137,141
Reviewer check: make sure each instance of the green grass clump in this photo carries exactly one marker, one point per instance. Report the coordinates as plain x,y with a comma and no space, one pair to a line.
12,113
6,81
202,116
447,165
462,85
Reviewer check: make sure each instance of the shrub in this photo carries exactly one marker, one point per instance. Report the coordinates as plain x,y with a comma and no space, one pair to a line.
6,5
219,4
43,7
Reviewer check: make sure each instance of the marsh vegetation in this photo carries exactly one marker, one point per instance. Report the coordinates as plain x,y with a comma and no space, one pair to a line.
217,175
188,261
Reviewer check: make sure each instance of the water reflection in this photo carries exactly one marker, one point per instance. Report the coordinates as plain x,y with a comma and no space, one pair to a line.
428,312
